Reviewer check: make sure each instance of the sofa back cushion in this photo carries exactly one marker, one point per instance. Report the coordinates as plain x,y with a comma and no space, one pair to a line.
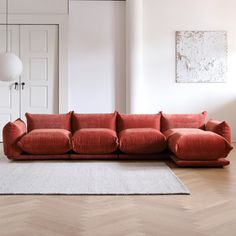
171,121
131,121
48,121
220,128
105,121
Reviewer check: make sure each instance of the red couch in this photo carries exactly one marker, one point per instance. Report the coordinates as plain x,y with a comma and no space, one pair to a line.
183,137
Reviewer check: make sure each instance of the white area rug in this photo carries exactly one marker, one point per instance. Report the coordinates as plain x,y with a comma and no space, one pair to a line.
88,177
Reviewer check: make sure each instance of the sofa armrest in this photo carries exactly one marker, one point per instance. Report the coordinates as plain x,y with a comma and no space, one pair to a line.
12,133
220,128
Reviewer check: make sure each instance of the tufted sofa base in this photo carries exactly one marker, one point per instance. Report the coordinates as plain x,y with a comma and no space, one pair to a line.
221,162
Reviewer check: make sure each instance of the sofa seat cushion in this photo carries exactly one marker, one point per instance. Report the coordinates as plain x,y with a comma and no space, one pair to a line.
46,141
141,140
95,141
196,144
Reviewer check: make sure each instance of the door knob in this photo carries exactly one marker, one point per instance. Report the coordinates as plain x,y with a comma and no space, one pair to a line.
16,85
22,85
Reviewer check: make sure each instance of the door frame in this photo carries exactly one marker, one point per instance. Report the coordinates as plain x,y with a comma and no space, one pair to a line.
62,22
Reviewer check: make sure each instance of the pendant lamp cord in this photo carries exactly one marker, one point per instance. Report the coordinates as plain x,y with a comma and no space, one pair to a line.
6,25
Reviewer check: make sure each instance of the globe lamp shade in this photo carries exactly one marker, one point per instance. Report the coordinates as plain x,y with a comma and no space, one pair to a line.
10,66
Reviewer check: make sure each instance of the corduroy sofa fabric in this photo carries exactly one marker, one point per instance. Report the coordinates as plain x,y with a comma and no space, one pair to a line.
171,121
106,121
32,157
213,163
141,140
46,141
130,121
186,138
94,141
221,128
12,133
48,121
196,144
112,156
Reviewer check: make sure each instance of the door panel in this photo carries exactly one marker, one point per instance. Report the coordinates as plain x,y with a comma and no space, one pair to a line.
9,96
39,54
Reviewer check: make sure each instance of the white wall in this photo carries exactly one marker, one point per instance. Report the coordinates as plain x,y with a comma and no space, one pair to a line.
134,54
160,91
97,56
35,6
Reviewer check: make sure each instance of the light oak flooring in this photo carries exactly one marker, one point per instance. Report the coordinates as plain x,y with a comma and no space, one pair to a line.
209,210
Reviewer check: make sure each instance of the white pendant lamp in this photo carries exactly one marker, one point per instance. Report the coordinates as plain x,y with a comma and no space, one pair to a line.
11,65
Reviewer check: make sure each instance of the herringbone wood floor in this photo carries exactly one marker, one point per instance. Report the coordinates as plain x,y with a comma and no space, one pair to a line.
209,210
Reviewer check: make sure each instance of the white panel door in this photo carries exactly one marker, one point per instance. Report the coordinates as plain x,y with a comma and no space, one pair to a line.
39,80
9,94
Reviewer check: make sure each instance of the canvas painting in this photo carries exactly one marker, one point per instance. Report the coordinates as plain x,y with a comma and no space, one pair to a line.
201,56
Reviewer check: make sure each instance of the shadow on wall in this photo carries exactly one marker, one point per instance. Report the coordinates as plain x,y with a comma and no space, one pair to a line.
226,112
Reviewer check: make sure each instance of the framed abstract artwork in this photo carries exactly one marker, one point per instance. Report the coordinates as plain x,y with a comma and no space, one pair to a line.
201,56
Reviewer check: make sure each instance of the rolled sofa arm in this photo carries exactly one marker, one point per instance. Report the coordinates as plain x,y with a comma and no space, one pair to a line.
12,133
220,128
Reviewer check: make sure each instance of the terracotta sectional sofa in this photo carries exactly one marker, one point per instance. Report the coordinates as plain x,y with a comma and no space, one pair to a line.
183,137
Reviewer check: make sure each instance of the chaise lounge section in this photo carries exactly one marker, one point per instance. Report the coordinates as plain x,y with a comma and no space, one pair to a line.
192,143
185,138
